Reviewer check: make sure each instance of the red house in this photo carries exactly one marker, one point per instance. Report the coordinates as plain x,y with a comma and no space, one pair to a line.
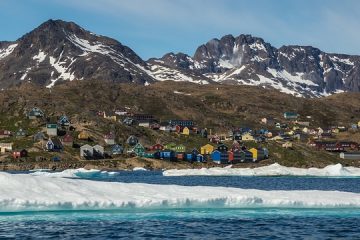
20,154
157,147
5,133
67,140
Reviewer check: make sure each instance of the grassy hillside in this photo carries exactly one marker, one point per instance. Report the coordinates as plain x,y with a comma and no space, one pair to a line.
217,107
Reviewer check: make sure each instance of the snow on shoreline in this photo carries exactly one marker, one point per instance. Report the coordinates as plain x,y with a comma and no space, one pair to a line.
272,170
25,192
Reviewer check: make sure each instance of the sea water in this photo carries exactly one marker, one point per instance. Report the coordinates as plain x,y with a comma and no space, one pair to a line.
146,204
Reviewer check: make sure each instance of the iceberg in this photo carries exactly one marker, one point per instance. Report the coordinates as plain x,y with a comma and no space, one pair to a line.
74,173
26,192
272,170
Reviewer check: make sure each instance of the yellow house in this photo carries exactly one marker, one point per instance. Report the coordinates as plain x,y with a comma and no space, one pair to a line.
112,118
305,130
290,133
257,154
359,124
247,137
186,131
207,149
83,135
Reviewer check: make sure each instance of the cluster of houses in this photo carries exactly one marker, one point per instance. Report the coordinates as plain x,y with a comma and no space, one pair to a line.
60,134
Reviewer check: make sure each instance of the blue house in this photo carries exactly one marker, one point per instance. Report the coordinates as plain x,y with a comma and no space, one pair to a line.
290,115
200,158
54,145
220,157
117,149
64,121
168,155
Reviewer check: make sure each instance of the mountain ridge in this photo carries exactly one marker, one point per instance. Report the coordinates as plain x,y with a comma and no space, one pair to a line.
59,51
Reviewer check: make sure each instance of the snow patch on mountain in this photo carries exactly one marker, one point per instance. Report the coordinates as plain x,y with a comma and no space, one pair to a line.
40,57
63,69
298,78
163,73
7,51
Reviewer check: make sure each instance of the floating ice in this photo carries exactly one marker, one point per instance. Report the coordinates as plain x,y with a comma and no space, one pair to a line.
272,170
25,192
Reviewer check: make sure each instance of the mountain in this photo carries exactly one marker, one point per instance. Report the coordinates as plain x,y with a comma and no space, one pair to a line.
248,60
59,51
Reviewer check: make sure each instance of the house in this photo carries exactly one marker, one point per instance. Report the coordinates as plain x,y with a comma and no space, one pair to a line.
200,158
204,133
186,131
64,121
287,145
359,124
168,155
235,147
268,135
54,145
350,155
128,121
5,147
40,136
157,147
84,135
145,124
206,149
277,138
220,157
267,121
222,148
20,154
165,127
139,150
247,137
132,140
214,139
20,133
302,123
170,146
117,149
121,112
5,134
67,140
35,113
86,151
98,152
109,138
290,115
51,129
349,144
180,148
183,123
354,126
238,157
258,154
155,126
143,118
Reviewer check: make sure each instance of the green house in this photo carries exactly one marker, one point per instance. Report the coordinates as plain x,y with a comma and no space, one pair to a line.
291,115
139,150
148,155
170,146
180,148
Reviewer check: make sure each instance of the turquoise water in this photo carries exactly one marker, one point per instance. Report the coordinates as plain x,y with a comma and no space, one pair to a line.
195,223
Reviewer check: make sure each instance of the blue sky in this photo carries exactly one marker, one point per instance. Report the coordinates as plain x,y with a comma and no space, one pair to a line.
154,27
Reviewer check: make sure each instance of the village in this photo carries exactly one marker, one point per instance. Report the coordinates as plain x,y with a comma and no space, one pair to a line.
236,146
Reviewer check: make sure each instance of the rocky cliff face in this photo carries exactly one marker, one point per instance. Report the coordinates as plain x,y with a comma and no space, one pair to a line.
59,51
298,70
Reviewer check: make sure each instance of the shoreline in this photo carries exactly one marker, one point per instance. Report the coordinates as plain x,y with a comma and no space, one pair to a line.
149,164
